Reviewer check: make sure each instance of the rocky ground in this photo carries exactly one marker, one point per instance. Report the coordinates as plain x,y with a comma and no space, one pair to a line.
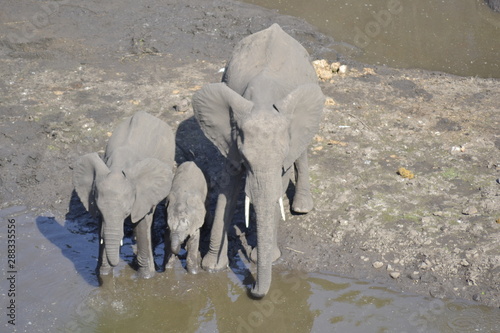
405,167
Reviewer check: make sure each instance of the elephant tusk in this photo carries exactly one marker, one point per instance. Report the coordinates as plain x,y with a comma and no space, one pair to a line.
121,242
282,209
102,241
247,211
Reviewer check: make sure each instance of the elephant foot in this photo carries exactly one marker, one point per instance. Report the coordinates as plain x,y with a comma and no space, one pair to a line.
193,265
275,255
171,261
213,263
193,268
302,202
145,273
105,270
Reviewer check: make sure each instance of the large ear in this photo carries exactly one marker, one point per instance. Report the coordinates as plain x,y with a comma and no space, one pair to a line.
86,171
304,108
216,106
152,179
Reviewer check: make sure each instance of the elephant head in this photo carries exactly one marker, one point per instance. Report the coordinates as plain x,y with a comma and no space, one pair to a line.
117,194
184,219
266,140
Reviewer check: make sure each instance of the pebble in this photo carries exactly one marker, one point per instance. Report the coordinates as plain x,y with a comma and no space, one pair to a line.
464,263
378,264
182,106
471,210
395,275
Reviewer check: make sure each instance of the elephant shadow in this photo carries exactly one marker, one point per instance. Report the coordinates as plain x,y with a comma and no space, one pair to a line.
193,145
77,239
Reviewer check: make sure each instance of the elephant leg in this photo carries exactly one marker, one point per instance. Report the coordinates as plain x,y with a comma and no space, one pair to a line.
144,249
192,261
302,200
169,259
216,257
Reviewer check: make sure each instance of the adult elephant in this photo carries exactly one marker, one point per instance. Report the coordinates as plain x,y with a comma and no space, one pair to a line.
261,117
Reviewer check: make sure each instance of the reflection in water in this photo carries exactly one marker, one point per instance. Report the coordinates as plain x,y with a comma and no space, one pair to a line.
459,36
178,302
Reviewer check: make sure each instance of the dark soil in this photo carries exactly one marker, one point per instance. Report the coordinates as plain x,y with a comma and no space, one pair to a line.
71,71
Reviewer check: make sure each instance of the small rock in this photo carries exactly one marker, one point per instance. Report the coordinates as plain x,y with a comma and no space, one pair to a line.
471,210
329,101
389,267
182,106
378,264
437,292
464,263
335,66
323,69
395,275
415,275
342,69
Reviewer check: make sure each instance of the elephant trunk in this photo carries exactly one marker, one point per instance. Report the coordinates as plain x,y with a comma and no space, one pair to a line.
112,241
265,200
175,243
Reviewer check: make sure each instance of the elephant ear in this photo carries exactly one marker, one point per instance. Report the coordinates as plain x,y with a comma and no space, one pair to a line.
88,169
152,180
216,108
304,107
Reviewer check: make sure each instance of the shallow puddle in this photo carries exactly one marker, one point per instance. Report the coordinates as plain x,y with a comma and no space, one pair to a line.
458,37
57,290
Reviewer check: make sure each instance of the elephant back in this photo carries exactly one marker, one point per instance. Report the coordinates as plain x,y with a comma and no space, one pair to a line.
145,136
271,50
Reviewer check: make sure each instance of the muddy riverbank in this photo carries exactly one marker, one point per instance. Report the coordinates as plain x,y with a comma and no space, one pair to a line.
71,72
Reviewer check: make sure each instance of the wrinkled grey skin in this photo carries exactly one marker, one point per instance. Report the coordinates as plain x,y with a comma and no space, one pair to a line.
262,118
134,177
186,211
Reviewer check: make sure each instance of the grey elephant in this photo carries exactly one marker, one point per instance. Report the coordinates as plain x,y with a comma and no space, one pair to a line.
262,117
135,175
186,211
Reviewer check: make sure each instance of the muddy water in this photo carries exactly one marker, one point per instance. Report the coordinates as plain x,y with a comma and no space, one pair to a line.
57,290
455,36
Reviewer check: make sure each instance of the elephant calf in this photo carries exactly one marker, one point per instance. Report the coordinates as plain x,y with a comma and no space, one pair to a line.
135,175
186,212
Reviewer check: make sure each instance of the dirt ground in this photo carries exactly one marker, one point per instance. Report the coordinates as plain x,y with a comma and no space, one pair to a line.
71,71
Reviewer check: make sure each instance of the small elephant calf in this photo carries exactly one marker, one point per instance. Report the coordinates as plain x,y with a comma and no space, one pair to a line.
185,214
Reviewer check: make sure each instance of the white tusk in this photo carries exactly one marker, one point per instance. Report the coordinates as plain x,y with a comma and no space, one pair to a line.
247,210
102,241
282,209
121,242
